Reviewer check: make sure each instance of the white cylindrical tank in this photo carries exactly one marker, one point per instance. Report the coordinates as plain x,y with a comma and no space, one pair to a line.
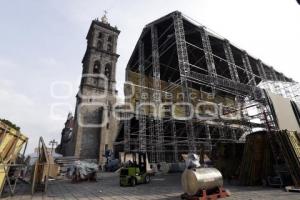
193,180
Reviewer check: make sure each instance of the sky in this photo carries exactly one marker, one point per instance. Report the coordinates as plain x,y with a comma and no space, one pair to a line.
42,44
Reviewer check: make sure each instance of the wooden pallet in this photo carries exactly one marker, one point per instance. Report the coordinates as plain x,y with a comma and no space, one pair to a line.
292,189
222,193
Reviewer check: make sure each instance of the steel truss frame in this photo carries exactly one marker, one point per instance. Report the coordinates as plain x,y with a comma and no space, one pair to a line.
159,130
155,141
184,69
142,117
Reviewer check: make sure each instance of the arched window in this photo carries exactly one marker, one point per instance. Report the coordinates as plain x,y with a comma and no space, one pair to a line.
110,38
109,47
96,68
99,45
107,71
100,35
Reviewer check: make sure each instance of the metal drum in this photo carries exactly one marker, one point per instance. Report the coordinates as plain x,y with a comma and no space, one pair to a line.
193,180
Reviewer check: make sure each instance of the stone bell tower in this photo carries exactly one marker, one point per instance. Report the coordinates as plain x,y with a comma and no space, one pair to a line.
95,129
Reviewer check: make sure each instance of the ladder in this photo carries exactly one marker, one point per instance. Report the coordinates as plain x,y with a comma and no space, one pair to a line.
272,127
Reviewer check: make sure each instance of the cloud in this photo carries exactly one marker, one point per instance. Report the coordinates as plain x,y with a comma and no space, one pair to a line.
32,116
4,63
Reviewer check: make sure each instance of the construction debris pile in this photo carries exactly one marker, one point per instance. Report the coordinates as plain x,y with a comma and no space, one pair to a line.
44,168
82,170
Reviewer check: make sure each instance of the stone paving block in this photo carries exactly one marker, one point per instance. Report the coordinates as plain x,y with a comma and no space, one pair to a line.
166,187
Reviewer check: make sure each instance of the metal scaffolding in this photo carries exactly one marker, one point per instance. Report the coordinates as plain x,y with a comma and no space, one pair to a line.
176,55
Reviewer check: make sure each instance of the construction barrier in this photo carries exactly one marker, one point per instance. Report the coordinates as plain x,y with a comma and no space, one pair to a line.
43,169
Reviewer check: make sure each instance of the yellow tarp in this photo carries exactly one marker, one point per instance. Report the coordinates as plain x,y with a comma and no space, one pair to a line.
294,139
176,95
2,177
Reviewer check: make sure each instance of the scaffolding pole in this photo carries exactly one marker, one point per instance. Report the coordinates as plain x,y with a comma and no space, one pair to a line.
174,135
274,74
127,127
142,114
248,67
208,57
159,130
184,69
152,141
230,60
208,145
261,70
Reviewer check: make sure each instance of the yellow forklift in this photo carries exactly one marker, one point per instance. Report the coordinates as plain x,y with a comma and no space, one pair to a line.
135,170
